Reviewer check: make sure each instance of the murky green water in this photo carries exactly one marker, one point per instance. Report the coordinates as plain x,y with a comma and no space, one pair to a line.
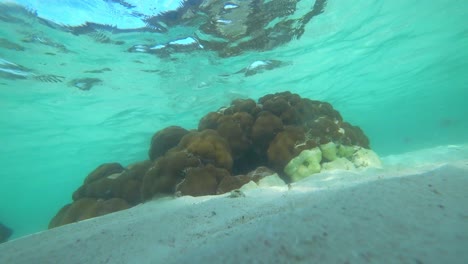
397,69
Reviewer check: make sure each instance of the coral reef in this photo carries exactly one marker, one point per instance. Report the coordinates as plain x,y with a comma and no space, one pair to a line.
265,128
111,180
209,148
194,151
108,188
166,172
86,208
164,140
307,163
282,138
102,171
229,183
285,146
201,181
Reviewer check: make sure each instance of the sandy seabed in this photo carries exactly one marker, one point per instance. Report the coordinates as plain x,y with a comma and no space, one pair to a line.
415,210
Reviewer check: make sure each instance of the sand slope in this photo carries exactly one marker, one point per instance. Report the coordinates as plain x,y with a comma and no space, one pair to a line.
416,214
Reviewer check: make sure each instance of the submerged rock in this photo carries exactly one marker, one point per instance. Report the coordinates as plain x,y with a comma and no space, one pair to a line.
5,233
306,164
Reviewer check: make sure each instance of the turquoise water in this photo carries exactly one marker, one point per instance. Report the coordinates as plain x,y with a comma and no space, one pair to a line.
397,69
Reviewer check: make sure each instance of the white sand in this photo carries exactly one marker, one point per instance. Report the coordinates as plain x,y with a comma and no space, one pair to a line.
400,214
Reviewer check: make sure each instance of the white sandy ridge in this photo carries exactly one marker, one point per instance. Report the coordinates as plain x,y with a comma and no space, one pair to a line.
413,211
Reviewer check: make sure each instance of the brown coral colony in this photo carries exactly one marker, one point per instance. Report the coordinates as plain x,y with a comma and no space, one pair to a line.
221,155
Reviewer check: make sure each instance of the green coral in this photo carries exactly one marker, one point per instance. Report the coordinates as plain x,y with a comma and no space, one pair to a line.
346,151
307,163
338,164
329,151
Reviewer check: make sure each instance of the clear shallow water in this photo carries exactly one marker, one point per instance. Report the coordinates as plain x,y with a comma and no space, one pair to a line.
397,69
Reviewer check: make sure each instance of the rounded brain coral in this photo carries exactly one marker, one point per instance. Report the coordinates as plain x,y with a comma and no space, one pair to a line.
124,184
265,129
104,170
86,208
242,105
285,146
164,140
97,175
194,150
202,181
236,130
209,147
209,121
166,172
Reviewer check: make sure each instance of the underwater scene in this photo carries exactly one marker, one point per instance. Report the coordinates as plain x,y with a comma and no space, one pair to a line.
108,106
